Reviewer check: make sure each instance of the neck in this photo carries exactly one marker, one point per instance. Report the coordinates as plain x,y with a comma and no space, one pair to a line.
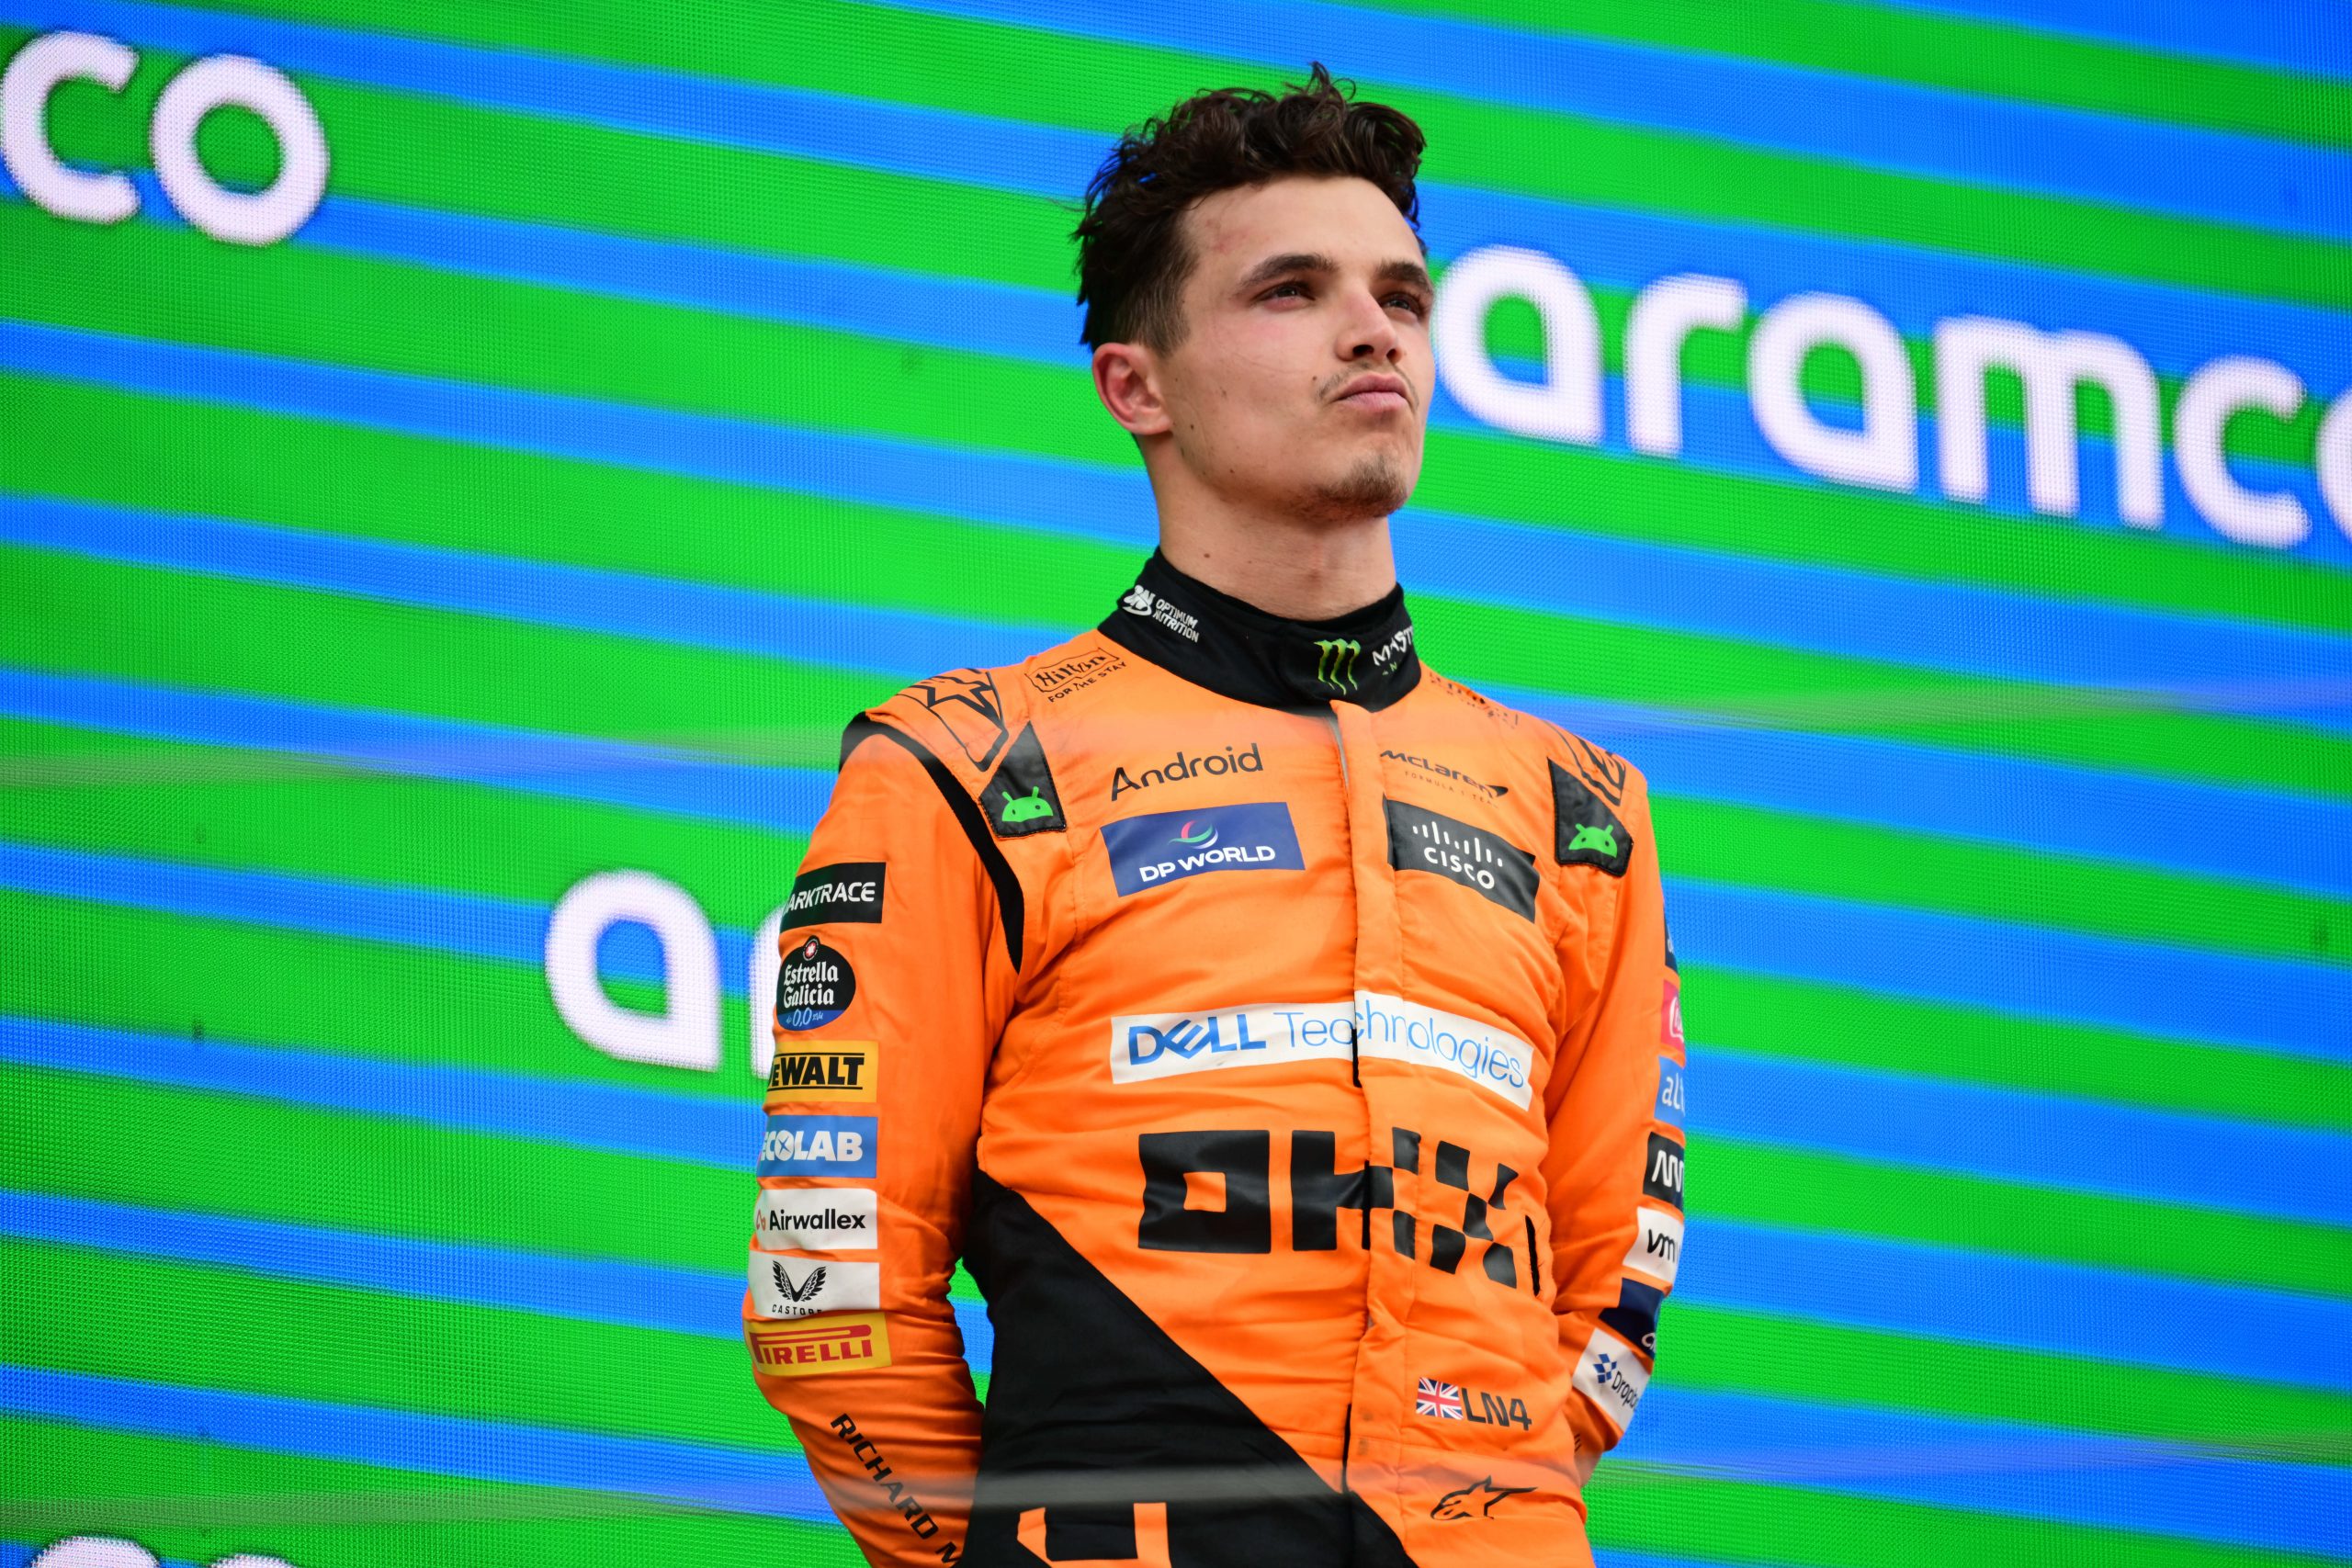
1302,569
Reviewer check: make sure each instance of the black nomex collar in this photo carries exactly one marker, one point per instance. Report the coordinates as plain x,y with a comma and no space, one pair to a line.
1238,651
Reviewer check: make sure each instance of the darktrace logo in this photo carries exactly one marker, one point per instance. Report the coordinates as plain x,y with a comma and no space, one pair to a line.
1169,846
849,892
1183,766
1335,662
1476,1501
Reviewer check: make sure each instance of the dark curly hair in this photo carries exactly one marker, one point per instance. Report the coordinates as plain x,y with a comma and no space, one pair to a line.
1131,255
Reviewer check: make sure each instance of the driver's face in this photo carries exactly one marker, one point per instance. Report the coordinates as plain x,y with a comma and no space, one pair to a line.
1302,380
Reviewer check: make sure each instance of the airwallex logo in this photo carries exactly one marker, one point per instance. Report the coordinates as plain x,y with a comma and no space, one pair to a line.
1169,846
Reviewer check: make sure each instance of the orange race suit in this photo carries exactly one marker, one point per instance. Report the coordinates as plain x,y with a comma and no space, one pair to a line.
1286,1038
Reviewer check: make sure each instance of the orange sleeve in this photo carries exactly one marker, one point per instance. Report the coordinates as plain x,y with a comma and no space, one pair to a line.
894,986
1614,1170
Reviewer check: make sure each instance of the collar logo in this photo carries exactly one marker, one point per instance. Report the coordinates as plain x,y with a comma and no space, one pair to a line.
1139,600
1335,663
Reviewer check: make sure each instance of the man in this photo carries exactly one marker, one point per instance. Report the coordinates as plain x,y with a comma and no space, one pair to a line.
1285,1035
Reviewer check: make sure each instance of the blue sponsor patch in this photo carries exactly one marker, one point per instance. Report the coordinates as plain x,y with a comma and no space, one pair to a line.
1170,846
817,1145
1669,1091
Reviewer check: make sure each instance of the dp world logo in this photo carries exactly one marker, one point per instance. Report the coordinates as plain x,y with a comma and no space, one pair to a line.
1195,834
1335,663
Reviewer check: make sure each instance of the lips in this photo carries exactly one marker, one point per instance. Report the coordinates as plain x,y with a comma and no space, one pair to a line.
1377,392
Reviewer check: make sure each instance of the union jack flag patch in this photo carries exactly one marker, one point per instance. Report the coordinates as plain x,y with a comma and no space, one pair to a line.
1442,1400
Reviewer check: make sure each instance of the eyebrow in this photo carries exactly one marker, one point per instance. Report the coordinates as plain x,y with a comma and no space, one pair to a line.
1398,271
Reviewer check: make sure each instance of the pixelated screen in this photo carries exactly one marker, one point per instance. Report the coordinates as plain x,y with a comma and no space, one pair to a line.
461,463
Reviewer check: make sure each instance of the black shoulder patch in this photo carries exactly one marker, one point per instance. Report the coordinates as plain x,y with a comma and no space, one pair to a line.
1585,830
1021,798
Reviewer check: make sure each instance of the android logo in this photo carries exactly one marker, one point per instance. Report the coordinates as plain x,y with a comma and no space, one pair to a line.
1026,807
1589,838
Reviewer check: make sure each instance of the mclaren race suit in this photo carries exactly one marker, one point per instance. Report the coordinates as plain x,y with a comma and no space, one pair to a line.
1287,1039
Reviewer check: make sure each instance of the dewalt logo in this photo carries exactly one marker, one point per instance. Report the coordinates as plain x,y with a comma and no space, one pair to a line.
823,1069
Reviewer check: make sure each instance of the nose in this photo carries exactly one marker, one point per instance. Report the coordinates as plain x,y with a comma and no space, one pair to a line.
1369,333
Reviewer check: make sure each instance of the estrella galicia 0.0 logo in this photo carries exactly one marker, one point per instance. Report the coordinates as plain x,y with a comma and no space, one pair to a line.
817,1145
814,986
1169,846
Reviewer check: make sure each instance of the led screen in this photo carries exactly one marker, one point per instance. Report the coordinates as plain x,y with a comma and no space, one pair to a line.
462,463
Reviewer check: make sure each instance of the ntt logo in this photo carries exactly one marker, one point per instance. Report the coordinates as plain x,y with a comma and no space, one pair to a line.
1884,452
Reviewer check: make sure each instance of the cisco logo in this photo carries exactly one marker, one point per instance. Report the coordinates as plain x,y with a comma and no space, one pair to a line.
220,81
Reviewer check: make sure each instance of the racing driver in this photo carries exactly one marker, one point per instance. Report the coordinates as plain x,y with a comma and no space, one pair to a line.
1284,1036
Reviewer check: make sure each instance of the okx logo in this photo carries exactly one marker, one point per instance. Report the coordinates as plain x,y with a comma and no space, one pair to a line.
1169,846
1335,662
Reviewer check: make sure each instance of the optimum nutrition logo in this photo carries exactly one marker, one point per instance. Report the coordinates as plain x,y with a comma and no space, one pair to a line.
1335,663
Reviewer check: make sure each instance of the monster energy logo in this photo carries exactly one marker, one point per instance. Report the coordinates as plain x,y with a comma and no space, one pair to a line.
1335,665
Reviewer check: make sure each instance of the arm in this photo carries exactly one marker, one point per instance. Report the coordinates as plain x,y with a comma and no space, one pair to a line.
1614,1170
866,1165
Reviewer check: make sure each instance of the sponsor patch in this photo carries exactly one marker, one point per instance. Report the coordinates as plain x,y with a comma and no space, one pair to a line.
1669,1017
1169,846
1488,864
1586,831
1021,798
803,1286
1058,680
1662,1176
1454,777
817,1145
1657,1245
1476,1501
1184,765
815,1219
1142,601
1158,1046
846,893
1669,1091
819,1345
893,1492
1612,1377
823,1069
814,986
1634,1317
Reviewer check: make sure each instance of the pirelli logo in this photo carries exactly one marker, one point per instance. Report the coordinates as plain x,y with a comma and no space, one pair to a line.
814,1346
821,1069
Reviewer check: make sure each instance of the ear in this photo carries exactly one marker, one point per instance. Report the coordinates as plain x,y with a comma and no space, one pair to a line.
1126,377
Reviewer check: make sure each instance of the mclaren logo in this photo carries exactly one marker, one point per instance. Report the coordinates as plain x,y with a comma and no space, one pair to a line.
1335,664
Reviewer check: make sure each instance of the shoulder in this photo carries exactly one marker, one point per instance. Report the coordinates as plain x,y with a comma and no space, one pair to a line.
977,727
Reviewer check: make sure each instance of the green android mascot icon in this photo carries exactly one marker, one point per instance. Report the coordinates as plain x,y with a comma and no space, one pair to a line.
1600,839
1027,808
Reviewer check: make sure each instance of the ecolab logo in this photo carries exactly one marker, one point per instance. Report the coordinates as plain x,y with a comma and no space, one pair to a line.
1373,1025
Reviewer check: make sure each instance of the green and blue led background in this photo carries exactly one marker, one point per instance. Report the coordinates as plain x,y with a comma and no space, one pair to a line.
657,386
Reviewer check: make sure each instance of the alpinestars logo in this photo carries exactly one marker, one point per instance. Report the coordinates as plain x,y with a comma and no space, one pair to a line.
1335,663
